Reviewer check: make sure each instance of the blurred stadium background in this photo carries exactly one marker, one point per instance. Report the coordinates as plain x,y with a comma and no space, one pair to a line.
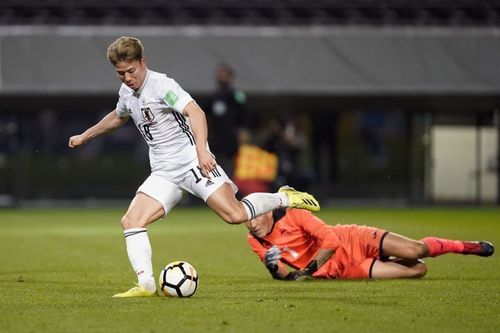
397,100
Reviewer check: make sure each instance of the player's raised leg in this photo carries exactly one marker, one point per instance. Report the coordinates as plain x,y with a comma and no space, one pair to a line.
142,211
225,204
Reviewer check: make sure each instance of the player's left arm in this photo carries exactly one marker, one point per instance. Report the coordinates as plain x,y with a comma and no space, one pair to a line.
272,256
323,234
198,122
321,258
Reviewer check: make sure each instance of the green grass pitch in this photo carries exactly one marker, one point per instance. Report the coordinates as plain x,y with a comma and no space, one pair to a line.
59,268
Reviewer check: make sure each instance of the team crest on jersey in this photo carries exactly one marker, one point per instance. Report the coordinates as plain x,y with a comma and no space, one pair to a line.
147,114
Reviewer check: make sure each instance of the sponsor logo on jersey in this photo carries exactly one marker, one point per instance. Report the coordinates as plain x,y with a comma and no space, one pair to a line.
147,114
171,98
209,182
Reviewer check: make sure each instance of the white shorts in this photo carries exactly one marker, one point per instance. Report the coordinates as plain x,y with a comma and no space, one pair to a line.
161,187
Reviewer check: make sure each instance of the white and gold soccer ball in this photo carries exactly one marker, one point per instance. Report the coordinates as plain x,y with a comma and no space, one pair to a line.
178,279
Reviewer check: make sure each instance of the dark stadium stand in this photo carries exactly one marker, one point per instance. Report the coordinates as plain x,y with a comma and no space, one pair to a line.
252,13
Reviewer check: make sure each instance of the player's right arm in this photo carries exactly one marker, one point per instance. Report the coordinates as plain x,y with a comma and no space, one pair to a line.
107,124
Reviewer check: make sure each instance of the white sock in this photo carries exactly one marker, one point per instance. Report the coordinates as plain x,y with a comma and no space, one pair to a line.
259,203
139,253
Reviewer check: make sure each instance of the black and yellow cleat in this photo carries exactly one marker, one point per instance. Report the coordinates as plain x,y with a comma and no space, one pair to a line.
297,199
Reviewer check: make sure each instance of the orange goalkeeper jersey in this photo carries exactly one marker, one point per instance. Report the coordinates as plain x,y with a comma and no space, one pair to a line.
299,234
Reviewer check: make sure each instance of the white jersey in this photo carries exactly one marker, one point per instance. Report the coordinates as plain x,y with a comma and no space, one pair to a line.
156,109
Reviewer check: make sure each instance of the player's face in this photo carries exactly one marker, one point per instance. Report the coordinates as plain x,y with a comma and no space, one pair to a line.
261,225
132,73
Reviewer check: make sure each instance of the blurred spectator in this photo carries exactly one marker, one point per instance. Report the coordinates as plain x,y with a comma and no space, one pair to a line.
285,139
228,118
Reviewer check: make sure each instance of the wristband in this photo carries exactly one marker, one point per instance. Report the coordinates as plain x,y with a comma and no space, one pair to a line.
311,268
273,269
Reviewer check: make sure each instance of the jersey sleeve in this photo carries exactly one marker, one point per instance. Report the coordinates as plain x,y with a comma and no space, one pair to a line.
121,108
314,226
257,247
173,95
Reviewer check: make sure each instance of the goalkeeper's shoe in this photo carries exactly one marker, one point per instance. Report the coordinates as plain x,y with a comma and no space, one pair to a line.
298,199
136,291
481,248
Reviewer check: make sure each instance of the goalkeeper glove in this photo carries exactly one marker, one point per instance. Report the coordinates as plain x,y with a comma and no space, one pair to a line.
272,255
271,258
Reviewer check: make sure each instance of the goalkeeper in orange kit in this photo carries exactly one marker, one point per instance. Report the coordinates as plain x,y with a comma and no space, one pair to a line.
312,248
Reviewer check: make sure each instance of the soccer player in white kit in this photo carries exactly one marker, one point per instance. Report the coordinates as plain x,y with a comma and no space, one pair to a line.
175,129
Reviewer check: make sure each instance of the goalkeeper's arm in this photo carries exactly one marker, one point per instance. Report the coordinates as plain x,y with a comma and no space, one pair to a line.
271,260
277,272
323,256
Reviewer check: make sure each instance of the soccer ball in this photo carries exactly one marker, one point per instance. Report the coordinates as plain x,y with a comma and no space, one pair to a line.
178,279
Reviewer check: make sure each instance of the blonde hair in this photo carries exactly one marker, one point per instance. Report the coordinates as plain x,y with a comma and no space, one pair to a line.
125,49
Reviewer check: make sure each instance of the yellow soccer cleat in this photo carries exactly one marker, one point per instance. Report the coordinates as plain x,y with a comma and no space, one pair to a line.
298,199
136,291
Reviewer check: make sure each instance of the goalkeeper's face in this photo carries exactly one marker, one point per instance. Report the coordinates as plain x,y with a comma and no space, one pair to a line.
262,225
